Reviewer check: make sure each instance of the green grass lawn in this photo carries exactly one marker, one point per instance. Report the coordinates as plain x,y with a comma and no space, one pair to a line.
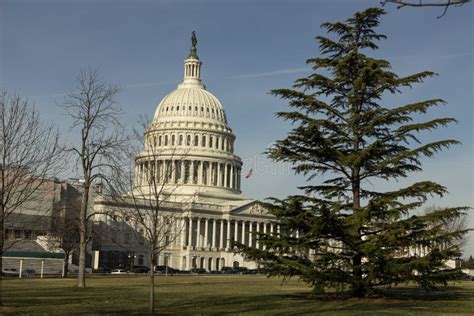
221,294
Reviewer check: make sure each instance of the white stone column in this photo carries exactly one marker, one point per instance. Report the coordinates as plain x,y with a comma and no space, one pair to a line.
265,232
231,176
209,173
228,235
219,170
173,171
243,234
257,244
221,237
250,234
271,229
190,232
182,233
214,225
206,232
198,233
232,183
183,169
236,231
239,179
200,171
225,175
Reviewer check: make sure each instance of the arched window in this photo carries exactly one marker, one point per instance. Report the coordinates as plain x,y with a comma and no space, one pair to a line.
217,142
203,143
188,140
177,108
159,141
166,140
222,144
210,141
196,140
172,140
180,140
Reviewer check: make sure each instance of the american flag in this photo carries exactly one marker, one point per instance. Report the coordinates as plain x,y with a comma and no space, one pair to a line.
249,174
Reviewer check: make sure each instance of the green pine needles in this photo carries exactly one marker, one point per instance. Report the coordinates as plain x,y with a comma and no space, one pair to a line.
345,234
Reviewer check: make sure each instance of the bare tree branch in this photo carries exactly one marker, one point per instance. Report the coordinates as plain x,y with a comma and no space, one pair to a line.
93,109
30,155
420,3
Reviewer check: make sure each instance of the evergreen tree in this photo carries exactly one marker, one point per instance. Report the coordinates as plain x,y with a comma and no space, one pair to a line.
342,233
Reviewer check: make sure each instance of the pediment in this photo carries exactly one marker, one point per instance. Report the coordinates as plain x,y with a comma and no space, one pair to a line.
252,208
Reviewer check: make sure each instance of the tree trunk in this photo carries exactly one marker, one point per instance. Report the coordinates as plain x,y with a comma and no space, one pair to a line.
2,237
151,303
1,263
66,264
81,276
358,287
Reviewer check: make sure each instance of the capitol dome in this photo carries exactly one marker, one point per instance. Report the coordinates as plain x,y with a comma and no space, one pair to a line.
189,148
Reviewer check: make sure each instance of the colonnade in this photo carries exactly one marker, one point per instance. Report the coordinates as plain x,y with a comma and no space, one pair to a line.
200,140
188,172
211,234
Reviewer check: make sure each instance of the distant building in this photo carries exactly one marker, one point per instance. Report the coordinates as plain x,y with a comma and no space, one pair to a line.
54,203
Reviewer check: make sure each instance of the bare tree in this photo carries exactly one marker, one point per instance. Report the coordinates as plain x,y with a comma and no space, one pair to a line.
150,207
95,112
30,154
420,3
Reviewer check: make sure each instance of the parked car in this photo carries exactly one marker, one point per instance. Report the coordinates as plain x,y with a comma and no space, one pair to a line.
140,269
468,277
163,270
198,271
28,273
10,272
119,271
242,270
102,270
229,270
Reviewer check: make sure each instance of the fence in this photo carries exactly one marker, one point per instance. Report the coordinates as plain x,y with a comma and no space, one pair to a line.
42,263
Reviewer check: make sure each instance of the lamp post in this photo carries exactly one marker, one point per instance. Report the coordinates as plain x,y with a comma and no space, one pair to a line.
131,259
167,255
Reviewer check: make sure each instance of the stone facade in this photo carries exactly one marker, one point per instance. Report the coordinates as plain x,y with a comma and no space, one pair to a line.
188,156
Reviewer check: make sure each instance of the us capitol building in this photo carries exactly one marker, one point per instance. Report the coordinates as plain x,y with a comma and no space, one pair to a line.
189,148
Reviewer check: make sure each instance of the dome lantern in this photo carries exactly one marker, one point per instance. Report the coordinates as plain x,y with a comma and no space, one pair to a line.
192,65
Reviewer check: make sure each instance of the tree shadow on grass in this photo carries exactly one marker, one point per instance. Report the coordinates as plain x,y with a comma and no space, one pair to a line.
398,301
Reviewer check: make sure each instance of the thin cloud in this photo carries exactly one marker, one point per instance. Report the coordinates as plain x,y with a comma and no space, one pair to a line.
301,70
149,84
425,56
271,73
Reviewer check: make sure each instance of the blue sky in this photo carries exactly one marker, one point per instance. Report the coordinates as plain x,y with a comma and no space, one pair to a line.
248,47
